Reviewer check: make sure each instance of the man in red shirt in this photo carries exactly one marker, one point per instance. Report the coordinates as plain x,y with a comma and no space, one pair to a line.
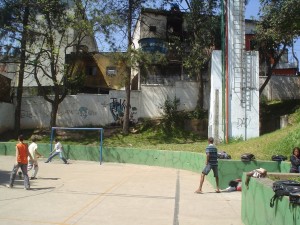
22,155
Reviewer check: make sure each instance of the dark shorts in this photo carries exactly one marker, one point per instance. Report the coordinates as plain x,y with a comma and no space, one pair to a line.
207,169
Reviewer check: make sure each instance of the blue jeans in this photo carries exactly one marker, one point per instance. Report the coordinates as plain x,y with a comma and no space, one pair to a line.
55,154
24,171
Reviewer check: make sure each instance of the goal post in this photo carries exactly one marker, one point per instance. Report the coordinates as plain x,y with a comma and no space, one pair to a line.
79,128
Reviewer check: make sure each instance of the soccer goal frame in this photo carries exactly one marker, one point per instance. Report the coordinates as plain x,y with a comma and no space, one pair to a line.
79,128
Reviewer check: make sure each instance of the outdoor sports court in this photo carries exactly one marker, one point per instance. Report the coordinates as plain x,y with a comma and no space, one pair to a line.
113,194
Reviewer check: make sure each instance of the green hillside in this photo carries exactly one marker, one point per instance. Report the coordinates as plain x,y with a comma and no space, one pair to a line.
279,142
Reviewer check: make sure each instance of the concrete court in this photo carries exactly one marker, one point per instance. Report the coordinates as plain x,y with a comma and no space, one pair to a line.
113,194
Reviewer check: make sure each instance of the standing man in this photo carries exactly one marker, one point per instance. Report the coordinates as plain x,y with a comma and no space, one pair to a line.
58,150
22,155
211,164
33,164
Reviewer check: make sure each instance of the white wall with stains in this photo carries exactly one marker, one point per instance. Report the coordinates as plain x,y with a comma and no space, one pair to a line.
7,112
87,110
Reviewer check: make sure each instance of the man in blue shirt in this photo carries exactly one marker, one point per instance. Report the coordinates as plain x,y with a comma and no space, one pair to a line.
211,164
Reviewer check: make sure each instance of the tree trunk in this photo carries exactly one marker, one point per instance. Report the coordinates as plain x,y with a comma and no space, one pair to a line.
21,71
271,68
127,105
200,95
269,75
128,70
295,57
54,107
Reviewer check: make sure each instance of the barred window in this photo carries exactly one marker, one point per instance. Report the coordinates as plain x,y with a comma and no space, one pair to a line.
111,71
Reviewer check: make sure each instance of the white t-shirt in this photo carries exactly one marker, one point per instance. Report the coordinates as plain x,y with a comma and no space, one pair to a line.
58,147
32,148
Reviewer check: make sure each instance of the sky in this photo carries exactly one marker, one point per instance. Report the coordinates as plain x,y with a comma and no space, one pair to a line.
252,9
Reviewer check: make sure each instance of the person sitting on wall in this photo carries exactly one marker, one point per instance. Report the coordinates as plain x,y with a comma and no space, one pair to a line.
257,173
295,160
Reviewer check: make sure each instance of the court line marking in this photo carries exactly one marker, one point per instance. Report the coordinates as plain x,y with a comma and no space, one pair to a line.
177,199
96,200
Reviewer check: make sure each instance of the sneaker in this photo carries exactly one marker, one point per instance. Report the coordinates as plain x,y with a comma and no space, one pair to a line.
46,161
28,188
33,178
8,186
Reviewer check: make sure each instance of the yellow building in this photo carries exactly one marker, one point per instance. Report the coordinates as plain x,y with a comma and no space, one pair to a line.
101,71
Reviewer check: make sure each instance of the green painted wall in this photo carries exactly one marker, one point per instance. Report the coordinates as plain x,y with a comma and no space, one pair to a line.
228,169
256,208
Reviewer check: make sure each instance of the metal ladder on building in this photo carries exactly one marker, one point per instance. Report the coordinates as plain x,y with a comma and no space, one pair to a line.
248,83
238,45
241,64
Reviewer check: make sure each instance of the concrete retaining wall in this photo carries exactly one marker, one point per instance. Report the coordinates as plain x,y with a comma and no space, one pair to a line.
88,110
281,87
256,208
191,161
84,110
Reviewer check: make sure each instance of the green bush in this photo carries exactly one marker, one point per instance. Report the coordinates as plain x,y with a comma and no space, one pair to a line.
198,113
172,119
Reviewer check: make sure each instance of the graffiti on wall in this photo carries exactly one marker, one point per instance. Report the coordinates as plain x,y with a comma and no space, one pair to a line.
243,122
117,108
84,112
26,114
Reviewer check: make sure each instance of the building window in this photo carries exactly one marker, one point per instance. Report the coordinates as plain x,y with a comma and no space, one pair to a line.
111,71
91,70
152,28
253,44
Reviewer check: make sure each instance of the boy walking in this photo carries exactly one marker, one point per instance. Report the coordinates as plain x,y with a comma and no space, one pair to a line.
22,155
211,164
33,164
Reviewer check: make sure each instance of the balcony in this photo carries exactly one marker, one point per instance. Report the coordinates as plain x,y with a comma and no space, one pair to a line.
165,80
153,45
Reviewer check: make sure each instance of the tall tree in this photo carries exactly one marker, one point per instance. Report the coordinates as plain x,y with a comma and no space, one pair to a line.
61,29
132,6
278,27
14,36
204,29
203,24
124,15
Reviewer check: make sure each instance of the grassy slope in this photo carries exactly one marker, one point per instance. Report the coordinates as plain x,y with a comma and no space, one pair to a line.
263,147
279,142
